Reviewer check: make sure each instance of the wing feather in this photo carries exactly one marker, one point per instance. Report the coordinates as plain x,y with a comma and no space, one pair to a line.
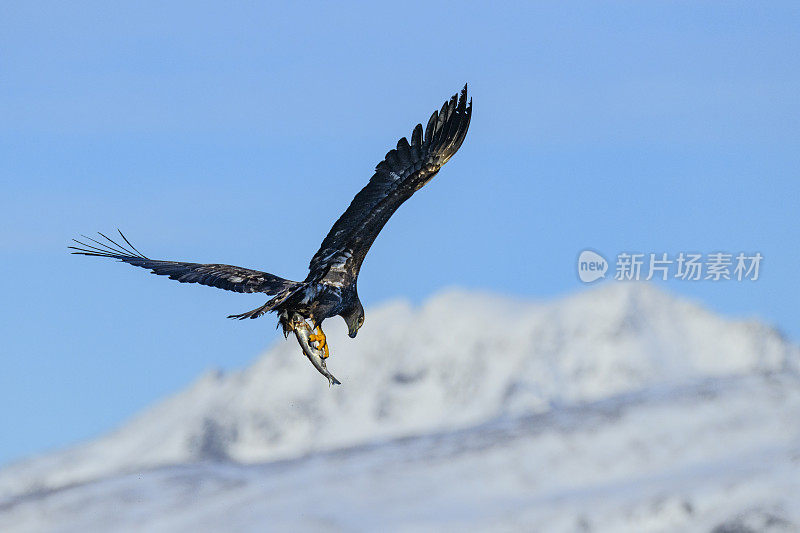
227,277
404,170
404,152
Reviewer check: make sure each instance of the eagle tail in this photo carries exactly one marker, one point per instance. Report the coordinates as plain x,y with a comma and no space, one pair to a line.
255,313
271,305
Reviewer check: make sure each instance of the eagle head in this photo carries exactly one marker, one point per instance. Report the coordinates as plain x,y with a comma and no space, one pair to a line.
354,318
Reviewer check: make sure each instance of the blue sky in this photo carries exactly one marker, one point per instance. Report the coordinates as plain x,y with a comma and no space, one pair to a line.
238,133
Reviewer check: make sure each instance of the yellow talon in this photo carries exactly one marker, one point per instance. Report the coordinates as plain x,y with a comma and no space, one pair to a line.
319,337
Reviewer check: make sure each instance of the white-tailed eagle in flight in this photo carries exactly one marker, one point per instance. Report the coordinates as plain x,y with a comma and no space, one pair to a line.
330,287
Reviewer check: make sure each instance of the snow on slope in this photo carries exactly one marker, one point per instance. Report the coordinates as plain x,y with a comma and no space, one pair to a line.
720,455
460,360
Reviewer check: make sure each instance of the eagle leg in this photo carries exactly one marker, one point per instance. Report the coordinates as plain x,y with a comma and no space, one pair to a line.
319,337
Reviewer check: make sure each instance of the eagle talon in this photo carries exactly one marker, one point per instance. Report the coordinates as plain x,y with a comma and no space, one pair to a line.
322,343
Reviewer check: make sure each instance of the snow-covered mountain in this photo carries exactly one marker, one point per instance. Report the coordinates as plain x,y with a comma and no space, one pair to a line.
495,409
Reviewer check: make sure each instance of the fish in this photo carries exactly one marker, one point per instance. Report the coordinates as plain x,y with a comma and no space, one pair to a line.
302,331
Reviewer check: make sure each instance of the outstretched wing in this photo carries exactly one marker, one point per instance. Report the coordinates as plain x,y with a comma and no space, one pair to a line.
230,278
404,171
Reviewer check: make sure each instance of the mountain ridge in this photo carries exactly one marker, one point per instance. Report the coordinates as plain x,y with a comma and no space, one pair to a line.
716,455
458,360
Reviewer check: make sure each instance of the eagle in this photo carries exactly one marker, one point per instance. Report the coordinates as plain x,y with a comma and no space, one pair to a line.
330,288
